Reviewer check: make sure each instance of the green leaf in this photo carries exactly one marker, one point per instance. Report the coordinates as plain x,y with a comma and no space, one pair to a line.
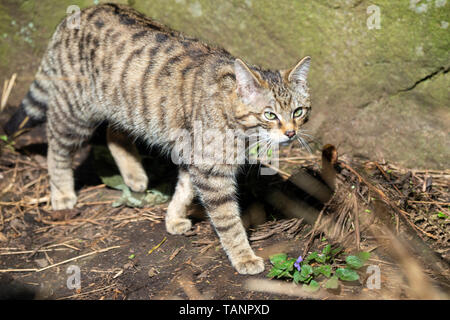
325,270
285,273
321,258
274,272
279,258
289,264
316,271
312,286
4,138
114,181
254,151
332,283
303,278
306,269
327,249
131,256
297,276
311,256
440,214
347,274
354,262
363,256
127,198
335,252
154,197
305,272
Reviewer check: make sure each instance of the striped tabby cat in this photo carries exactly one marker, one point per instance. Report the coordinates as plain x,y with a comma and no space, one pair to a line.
149,81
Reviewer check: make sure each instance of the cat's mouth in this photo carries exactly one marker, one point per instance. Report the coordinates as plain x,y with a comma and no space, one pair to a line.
286,143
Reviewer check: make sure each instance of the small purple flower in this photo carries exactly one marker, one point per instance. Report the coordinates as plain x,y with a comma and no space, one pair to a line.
297,263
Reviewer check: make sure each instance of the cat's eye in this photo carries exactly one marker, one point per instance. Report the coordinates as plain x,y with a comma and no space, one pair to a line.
270,115
298,112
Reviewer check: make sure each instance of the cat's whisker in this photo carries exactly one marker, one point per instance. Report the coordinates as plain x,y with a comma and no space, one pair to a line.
259,145
265,149
256,143
304,144
305,134
302,135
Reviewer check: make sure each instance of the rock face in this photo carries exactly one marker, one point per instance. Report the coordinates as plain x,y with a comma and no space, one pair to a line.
379,76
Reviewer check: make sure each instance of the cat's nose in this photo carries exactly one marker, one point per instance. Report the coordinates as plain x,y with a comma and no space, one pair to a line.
290,133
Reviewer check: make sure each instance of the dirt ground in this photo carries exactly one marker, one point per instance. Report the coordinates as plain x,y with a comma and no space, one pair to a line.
125,253
192,266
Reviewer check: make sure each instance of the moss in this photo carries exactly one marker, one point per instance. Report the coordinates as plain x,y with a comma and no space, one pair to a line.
352,66
5,34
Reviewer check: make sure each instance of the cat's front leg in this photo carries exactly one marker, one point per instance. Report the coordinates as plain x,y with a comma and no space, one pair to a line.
176,218
217,188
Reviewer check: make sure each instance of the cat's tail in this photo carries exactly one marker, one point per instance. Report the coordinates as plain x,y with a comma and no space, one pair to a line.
32,110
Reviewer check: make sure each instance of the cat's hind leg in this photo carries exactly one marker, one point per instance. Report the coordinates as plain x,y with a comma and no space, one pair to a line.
64,136
127,159
176,218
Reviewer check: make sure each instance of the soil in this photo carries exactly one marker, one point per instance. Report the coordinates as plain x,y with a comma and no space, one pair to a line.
193,266
126,253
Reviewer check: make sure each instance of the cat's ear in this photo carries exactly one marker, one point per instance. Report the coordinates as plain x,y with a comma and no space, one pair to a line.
249,86
300,72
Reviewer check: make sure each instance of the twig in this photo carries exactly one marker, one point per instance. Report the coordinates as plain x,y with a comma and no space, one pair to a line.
313,231
80,204
175,252
284,174
430,202
386,176
93,188
7,87
157,246
31,251
86,293
404,214
78,257
18,270
356,220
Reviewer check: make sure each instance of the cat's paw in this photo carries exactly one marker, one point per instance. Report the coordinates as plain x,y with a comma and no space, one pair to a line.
64,201
178,225
249,265
137,181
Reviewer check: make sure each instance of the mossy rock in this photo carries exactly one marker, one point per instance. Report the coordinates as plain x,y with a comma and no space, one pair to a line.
400,67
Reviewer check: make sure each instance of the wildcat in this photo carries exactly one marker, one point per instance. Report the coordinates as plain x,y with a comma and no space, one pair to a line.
148,81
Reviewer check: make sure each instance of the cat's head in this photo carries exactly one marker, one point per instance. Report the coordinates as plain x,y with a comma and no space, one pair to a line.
277,102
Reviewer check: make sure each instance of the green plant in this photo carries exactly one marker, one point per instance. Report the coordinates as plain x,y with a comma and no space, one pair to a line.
7,142
441,215
317,264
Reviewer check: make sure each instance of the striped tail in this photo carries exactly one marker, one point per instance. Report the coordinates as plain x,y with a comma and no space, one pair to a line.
31,112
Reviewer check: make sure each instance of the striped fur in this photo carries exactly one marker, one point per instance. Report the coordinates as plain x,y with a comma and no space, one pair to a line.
148,81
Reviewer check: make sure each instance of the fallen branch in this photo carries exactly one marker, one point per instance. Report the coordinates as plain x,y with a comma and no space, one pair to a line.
62,262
